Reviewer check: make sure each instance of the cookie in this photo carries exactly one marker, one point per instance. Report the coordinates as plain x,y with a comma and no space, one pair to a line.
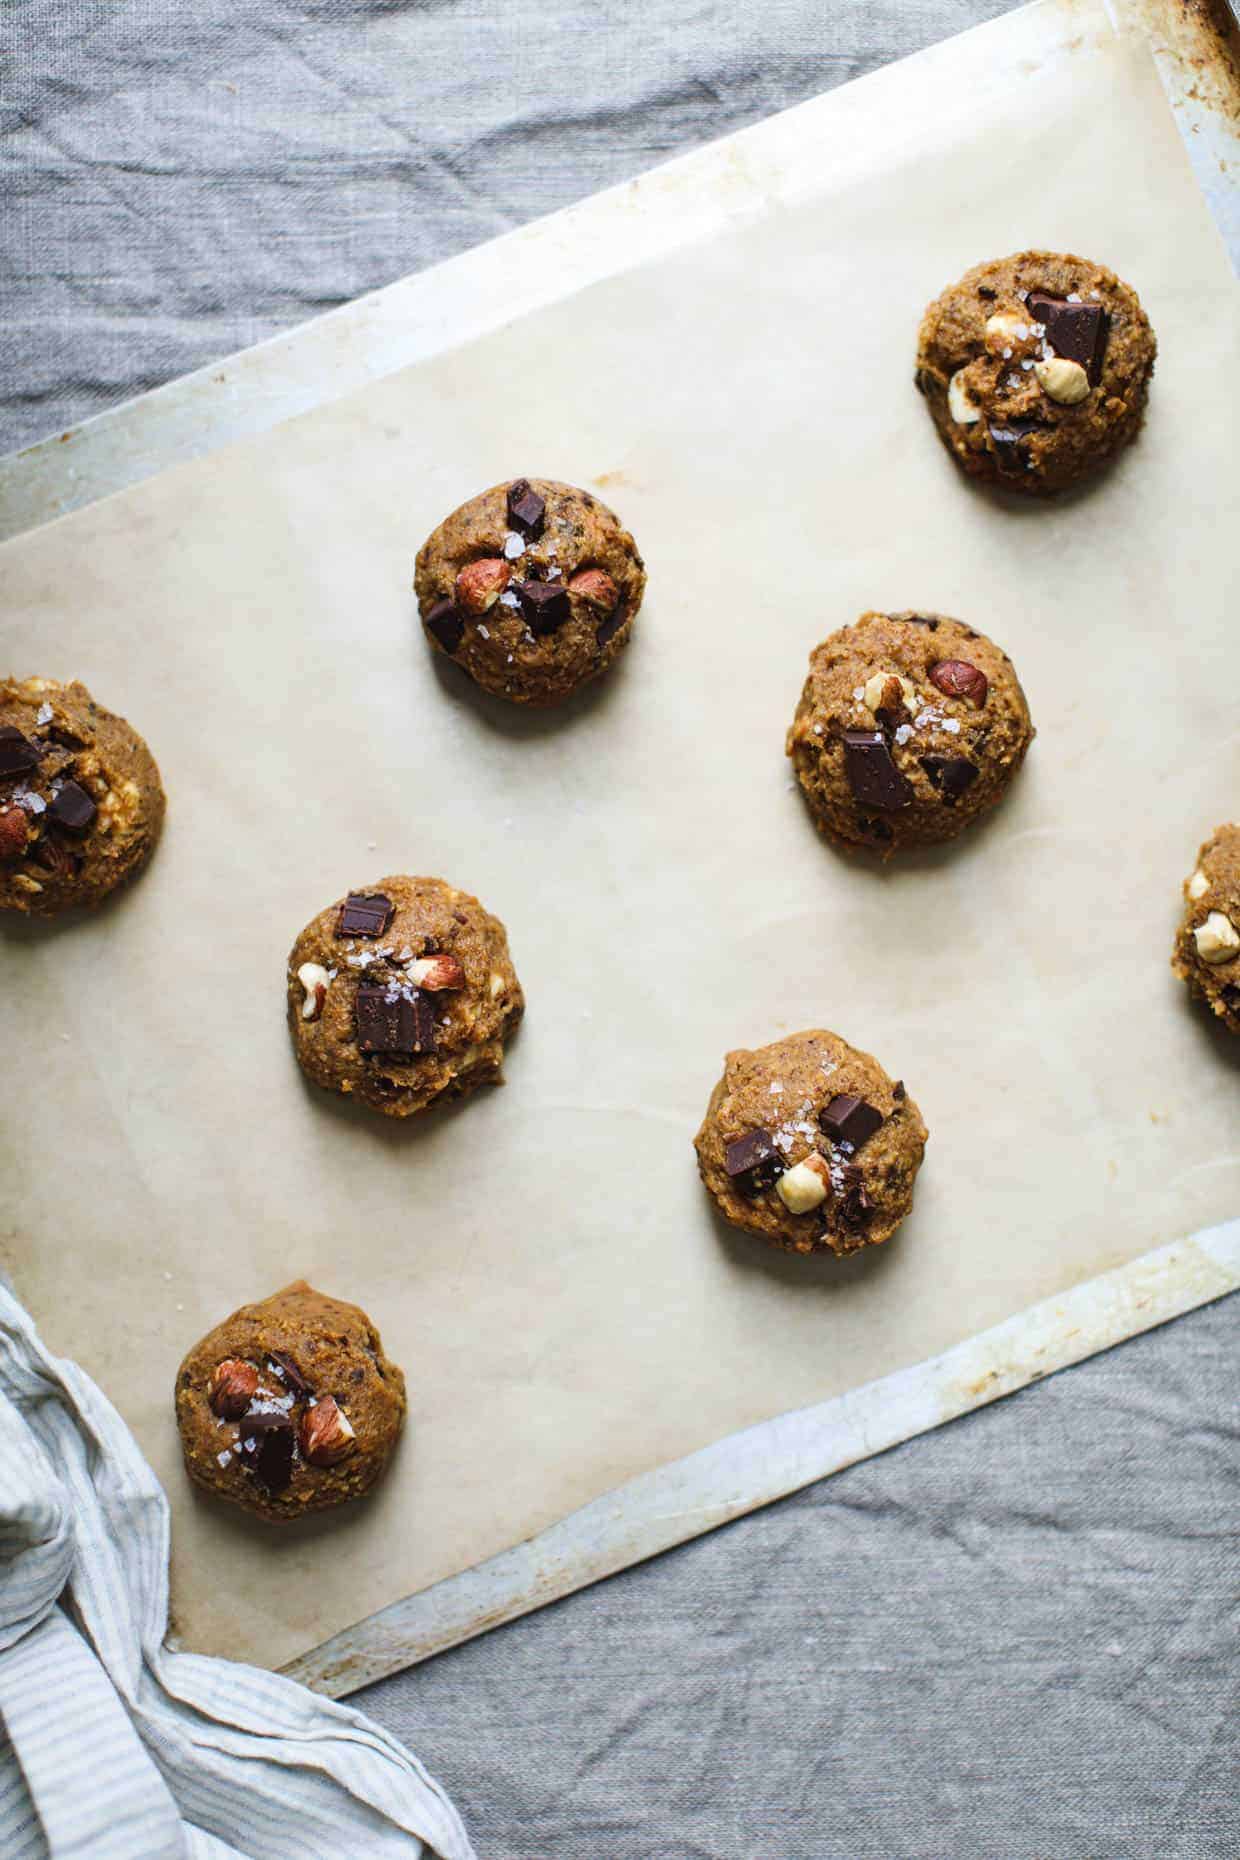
909,727
1035,369
403,993
81,805
289,1406
532,588
1207,944
808,1144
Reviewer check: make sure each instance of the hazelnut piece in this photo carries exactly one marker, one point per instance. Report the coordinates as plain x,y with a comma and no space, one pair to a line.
232,1388
960,403
1217,939
13,832
804,1186
480,584
325,1435
316,981
437,973
957,678
1062,380
596,586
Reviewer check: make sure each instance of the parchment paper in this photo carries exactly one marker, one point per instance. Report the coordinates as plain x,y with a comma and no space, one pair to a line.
542,1260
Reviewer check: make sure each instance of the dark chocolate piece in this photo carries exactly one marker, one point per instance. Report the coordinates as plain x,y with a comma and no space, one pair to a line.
872,775
544,604
398,1025
852,1202
446,624
526,510
365,915
71,808
610,624
290,1375
951,775
1078,332
1010,454
849,1119
753,1162
898,1092
17,752
266,1447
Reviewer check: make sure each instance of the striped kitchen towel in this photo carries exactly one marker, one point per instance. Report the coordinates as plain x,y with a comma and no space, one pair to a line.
113,1747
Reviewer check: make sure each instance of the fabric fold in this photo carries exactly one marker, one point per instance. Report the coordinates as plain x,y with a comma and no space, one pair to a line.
114,1746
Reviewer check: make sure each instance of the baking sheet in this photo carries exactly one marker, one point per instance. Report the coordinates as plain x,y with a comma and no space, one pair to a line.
541,1261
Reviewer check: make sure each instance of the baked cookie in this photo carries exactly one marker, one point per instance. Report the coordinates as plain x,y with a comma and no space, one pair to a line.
1207,944
81,804
289,1406
531,587
403,993
809,1144
909,727
1035,369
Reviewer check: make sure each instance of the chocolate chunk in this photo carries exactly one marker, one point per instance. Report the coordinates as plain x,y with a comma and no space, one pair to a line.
753,1162
951,775
872,775
1231,998
398,1025
610,624
290,1375
446,624
929,620
984,290
852,1203
526,510
898,1092
1010,454
266,1447
544,604
848,1119
71,808
1078,332
17,752
363,915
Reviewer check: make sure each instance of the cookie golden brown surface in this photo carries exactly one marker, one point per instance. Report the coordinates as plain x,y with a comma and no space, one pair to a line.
909,727
402,993
1207,944
808,1144
81,804
1035,369
531,587
289,1406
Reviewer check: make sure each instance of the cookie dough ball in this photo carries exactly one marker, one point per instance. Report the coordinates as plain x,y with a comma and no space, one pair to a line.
1207,944
809,1144
289,1406
909,727
403,993
1035,369
531,587
81,804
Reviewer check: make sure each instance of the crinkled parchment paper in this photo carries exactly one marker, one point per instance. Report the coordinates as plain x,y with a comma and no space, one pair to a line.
542,1260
